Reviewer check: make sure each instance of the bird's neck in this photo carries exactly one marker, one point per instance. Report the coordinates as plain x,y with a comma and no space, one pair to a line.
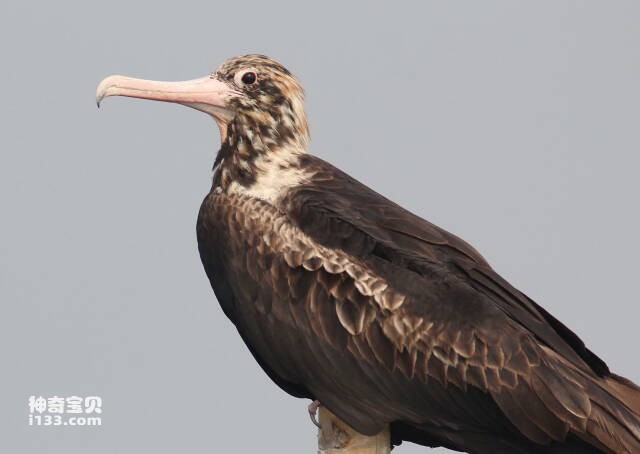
258,160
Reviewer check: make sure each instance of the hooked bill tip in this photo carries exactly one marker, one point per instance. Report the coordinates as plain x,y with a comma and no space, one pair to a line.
103,89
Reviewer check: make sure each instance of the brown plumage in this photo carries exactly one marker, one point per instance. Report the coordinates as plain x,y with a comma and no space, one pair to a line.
343,296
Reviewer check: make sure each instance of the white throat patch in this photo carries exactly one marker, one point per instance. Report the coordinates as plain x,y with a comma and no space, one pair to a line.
276,172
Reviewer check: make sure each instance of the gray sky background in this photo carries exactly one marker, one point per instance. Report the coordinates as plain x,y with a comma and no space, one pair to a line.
513,124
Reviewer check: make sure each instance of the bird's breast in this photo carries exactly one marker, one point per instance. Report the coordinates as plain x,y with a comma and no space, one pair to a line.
252,248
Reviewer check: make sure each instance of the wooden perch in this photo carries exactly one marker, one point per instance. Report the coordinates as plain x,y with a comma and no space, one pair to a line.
336,437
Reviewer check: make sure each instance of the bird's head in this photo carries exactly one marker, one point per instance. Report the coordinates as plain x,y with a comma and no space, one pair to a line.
256,102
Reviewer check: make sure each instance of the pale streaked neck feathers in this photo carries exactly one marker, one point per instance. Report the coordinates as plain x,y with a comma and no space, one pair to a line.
262,143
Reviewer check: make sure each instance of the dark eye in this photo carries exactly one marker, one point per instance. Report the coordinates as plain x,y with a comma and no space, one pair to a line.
249,77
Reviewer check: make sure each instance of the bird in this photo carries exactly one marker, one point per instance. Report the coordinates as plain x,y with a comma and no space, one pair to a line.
346,298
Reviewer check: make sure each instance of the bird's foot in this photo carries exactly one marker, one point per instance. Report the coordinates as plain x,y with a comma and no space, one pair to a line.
313,411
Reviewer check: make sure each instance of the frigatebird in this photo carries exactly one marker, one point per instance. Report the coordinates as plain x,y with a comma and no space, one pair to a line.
346,298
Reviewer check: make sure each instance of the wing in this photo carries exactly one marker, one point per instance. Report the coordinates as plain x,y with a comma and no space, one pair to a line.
340,212
483,332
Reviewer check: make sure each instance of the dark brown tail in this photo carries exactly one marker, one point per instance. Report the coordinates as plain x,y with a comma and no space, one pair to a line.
561,406
615,421
613,424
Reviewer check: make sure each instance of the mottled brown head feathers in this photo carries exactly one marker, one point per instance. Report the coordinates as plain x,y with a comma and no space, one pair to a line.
269,123
271,106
